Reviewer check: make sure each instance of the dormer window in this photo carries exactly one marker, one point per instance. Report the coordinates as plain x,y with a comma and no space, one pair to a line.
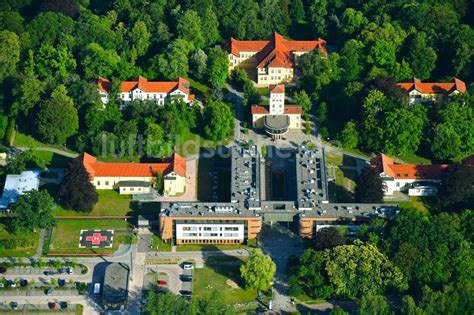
398,174
406,174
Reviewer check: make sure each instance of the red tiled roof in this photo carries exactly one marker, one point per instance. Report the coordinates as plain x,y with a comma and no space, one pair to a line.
293,109
178,165
103,84
148,86
289,110
384,164
279,88
276,51
434,88
259,109
97,169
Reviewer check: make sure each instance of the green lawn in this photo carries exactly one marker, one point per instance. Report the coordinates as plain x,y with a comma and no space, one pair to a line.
46,159
414,159
110,203
24,140
159,245
214,276
65,236
341,168
21,251
119,159
420,203
199,89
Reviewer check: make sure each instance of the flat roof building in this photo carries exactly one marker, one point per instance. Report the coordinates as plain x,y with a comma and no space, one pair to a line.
17,185
115,290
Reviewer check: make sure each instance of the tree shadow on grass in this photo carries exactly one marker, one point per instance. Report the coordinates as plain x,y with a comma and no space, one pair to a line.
223,264
338,193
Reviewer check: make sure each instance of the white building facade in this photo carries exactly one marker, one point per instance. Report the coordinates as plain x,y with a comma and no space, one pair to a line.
218,233
142,89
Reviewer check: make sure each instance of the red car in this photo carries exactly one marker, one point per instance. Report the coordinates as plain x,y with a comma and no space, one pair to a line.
162,283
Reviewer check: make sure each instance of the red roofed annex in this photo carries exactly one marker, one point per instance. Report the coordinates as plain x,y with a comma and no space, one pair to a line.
142,89
429,91
274,58
417,180
136,177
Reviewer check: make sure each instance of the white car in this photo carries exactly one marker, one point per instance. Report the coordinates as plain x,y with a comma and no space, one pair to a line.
188,266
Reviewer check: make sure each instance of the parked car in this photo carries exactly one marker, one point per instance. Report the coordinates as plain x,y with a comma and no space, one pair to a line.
63,271
185,293
14,305
61,282
49,273
63,305
70,271
162,283
23,282
186,278
187,265
96,288
52,305
3,270
48,291
11,284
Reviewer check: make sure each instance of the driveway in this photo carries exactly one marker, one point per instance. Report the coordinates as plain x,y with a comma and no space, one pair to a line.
280,243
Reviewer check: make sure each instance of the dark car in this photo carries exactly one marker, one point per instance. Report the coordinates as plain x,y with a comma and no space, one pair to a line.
63,305
3,270
52,305
61,282
49,273
63,271
48,291
186,278
185,293
14,305
23,282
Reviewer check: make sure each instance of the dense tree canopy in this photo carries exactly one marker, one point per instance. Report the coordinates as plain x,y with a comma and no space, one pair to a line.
219,120
258,270
54,128
33,210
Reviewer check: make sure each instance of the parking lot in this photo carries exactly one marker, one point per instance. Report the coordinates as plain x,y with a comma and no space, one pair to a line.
171,277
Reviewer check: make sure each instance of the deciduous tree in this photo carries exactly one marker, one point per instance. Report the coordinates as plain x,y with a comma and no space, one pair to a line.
57,119
218,120
349,136
361,269
189,28
457,189
369,187
33,210
166,304
140,37
9,53
76,191
217,67
302,99
329,237
421,56
258,271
